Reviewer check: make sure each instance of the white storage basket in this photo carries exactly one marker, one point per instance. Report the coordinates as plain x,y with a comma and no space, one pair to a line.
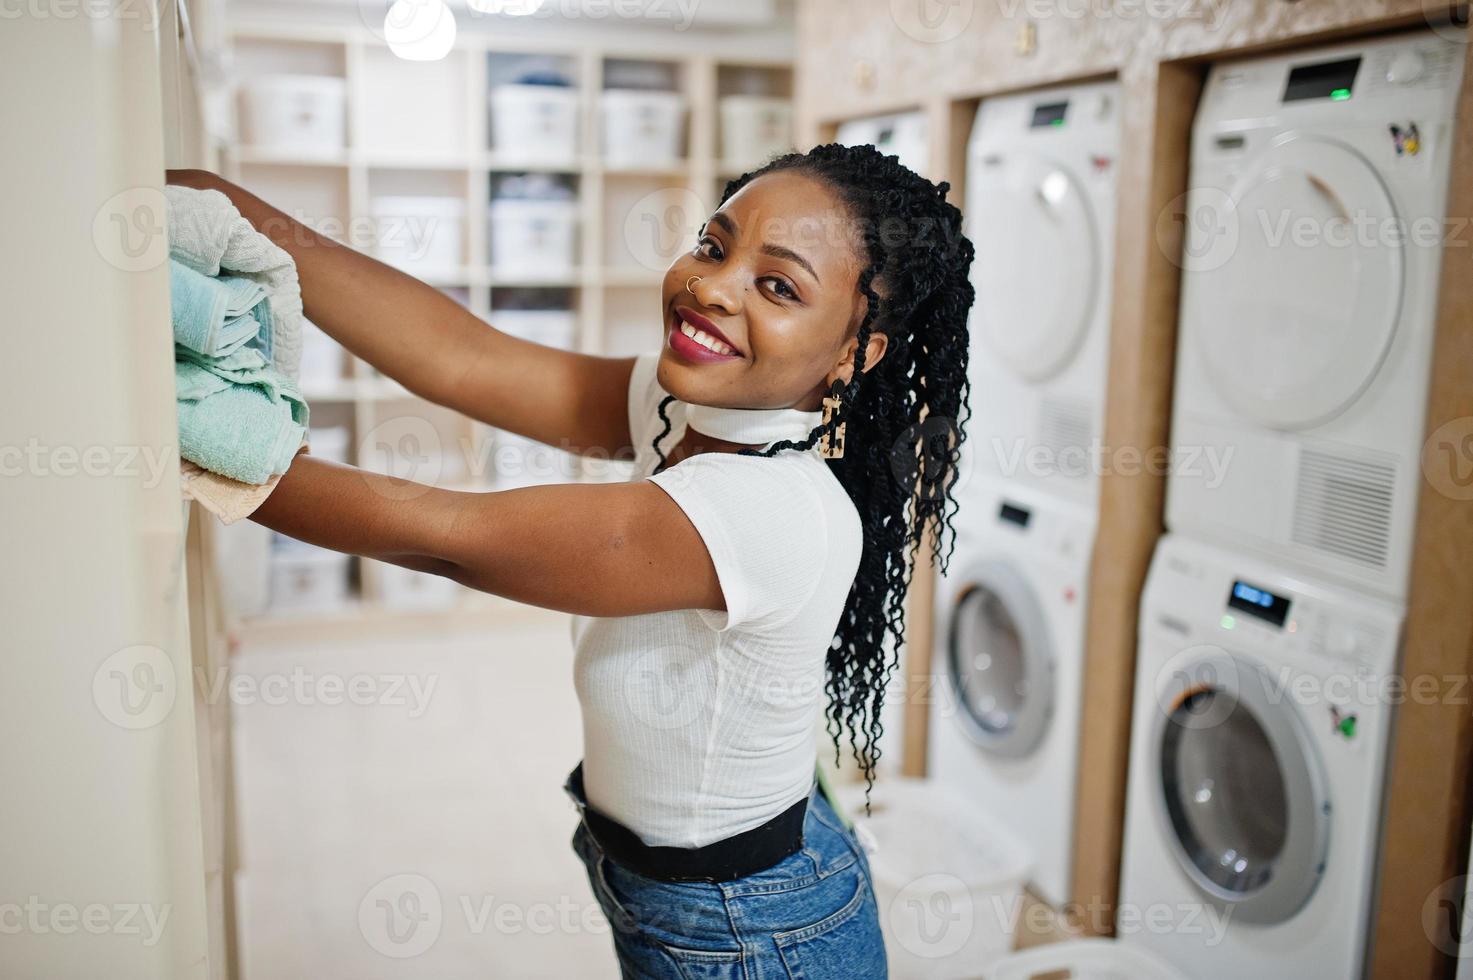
948,879
532,237
641,128
535,123
754,128
299,114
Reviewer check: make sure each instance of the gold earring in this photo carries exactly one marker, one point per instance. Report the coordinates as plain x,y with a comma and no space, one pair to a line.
831,405
689,281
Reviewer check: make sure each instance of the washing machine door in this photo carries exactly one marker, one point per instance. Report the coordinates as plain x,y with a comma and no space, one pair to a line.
1298,317
1242,793
999,660
1037,268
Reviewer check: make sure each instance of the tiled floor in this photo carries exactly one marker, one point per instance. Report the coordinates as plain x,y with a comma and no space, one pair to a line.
389,831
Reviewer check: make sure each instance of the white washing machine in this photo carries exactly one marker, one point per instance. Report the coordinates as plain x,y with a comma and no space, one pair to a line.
900,134
1009,667
1312,250
1040,211
1263,711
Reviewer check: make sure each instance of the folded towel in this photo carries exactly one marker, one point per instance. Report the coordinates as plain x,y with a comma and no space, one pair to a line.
230,500
217,317
208,234
238,416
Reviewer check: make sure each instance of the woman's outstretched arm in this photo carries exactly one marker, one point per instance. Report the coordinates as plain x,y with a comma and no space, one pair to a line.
593,549
439,350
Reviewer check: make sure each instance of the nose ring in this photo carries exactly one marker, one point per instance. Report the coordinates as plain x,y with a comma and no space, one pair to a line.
689,281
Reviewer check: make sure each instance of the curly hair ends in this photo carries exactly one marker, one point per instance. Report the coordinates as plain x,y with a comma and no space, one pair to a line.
904,423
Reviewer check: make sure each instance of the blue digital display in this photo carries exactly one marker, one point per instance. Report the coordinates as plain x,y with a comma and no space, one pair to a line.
1259,602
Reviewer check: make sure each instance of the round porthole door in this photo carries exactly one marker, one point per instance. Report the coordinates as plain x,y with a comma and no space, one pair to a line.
1242,793
1299,317
999,661
1037,270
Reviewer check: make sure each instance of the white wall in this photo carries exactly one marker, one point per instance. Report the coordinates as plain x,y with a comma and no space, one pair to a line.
100,844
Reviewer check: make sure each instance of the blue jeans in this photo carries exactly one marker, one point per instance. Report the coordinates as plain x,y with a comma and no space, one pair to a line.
811,916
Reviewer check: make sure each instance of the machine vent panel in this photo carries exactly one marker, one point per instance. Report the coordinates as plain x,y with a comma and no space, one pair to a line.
1065,430
1343,506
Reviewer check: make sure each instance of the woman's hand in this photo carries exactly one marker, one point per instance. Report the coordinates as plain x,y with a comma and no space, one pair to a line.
437,348
593,549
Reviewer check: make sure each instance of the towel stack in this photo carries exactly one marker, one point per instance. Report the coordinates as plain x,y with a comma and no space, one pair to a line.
237,318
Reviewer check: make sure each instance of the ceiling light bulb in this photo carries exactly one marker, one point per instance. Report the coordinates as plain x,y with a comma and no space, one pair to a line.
419,30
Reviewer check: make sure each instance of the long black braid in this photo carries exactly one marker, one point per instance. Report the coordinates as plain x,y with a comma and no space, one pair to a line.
904,423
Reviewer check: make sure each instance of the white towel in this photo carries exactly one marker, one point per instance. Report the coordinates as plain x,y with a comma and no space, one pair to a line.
208,234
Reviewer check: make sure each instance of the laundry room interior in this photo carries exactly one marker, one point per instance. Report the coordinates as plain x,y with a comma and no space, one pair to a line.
1167,676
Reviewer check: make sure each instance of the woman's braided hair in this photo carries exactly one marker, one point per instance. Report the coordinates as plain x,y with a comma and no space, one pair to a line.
904,423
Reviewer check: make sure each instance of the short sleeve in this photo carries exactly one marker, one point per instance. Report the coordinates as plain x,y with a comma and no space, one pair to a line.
765,528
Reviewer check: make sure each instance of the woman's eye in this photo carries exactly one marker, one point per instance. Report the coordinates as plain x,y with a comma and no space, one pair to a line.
706,247
781,288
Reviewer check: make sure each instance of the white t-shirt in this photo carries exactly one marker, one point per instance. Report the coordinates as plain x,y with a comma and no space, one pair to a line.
699,724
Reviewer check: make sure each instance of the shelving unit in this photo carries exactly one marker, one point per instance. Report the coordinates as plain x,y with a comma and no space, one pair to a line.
423,128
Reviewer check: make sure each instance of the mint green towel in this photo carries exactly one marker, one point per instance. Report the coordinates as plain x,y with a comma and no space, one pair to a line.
238,416
217,316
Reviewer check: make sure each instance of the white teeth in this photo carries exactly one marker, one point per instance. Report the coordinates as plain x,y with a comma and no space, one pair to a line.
704,339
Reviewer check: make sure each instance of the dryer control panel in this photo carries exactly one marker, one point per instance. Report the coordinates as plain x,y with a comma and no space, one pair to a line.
1366,76
1203,594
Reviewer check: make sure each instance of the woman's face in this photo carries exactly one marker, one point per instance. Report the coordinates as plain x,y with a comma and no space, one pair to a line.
779,292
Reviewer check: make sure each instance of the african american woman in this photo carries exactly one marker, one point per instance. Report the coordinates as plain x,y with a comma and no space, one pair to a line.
793,438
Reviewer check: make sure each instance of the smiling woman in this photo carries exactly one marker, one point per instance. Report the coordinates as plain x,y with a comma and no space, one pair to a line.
748,568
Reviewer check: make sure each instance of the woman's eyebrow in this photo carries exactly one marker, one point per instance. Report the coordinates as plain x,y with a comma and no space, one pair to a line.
780,252
724,220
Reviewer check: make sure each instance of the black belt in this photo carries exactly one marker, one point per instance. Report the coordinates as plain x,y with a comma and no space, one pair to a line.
723,860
